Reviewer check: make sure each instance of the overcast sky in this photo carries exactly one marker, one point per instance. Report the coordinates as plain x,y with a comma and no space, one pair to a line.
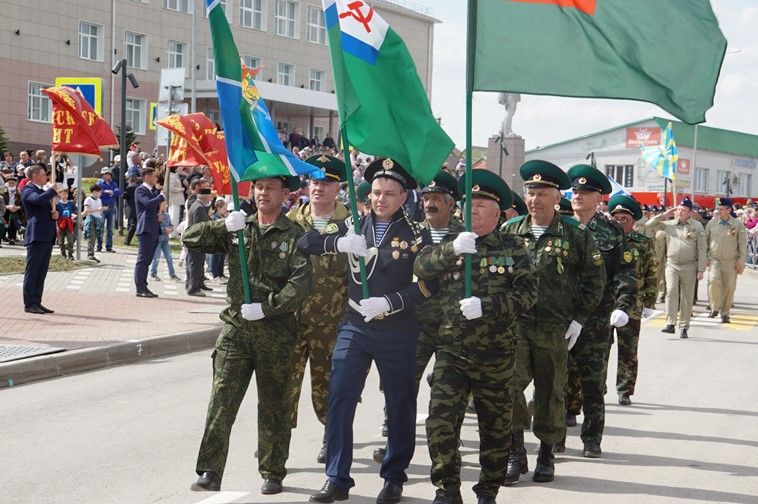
545,120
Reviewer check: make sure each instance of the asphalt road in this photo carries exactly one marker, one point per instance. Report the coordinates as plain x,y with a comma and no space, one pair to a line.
130,434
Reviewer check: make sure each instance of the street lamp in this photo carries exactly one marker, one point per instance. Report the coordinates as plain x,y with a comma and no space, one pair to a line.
120,66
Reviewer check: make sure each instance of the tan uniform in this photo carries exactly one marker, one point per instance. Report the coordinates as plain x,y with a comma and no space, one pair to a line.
685,258
659,242
727,250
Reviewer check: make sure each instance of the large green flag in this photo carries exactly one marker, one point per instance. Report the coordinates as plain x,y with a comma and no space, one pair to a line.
383,105
667,52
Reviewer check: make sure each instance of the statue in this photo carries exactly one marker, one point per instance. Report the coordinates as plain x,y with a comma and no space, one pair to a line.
510,100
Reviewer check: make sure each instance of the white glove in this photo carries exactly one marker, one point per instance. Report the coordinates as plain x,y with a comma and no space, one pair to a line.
373,307
235,221
471,307
252,311
647,312
464,243
619,318
572,334
352,244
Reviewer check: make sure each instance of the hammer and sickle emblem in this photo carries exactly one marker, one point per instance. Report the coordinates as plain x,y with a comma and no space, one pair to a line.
356,12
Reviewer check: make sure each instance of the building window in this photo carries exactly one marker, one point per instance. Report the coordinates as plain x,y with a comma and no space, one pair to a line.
286,18
39,107
90,41
136,50
135,115
251,61
724,184
316,81
316,25
213,115
175,53
623,174
700,184
185,6
210,64
251,14
285,74
742,185
318,132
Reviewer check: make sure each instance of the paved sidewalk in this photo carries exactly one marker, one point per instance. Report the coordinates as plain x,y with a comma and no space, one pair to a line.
96,306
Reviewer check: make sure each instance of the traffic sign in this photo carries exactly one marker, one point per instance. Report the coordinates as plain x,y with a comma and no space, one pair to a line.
153,114
90,87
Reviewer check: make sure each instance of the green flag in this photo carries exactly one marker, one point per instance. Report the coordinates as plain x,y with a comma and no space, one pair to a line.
667,52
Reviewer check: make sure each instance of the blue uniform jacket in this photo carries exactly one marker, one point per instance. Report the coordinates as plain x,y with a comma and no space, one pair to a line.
147,202
40,226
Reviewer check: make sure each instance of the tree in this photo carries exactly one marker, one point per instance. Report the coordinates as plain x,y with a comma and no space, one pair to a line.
130,139
4,146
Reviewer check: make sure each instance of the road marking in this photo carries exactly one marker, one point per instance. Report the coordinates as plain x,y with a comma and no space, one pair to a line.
223,498
739,322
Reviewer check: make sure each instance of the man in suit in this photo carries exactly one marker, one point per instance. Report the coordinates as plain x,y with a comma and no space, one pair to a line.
198,213
37,197
147,200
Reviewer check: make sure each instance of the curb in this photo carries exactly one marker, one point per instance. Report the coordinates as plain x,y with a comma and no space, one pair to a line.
89,359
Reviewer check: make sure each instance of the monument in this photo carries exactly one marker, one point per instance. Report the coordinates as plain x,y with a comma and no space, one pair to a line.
506,151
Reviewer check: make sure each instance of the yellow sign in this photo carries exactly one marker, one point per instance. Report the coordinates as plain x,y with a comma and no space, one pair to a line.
153,114
90,87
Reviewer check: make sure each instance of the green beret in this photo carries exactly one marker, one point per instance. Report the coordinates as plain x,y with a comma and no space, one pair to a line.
624,203
363,190
589,178
391,169
519,205
443,183
565,207
539,173
290,182
333,168
488,185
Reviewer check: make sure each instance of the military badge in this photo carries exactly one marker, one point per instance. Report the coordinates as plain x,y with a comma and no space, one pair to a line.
284,246
403,244
324,159
501,270
388,164
493,269
414,249
274,245
582,180
627,256
597,259
282,255
331,228
396,254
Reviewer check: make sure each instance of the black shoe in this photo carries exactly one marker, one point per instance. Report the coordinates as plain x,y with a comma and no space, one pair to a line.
208,482
93,258
570,420
146,294
46,310
271,486
111,251
155,277
379,455
321,457
205,288
34,309
713,314
485,499
391,493
683,334
329,493
725,319
591,450
544,471
197,293
624,399
449,498
517,462
669,329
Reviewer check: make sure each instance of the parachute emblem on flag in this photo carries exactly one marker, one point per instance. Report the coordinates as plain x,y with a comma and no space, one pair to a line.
249,90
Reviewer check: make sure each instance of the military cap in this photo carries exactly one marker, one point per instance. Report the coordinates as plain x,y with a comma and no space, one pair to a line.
290,183
686,203
443,183
539,173
589,178
391,169
624,203
519,205
363,190
488,185
564,207
332,168
725,202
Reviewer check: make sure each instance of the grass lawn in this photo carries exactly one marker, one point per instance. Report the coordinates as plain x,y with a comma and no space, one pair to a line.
57,263
118,241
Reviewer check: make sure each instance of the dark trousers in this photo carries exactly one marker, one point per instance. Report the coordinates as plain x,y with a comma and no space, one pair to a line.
37,262
14,223
394,353
148,242
195,270
217,265
131,225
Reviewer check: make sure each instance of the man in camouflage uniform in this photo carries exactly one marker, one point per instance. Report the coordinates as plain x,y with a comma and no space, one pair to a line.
588,360
476,339
626,211
570,280
323,309
257,337
727,253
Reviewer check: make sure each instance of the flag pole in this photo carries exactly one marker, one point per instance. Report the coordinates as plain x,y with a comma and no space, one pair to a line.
470,46
241,246
353,203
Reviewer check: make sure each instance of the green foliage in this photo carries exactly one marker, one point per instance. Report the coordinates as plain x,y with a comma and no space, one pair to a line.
4,144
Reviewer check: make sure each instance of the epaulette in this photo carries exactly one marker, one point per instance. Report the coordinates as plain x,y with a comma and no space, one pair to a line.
514,220
639,236
570,221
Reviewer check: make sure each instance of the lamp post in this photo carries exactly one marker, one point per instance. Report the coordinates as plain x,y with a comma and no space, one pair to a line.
120,66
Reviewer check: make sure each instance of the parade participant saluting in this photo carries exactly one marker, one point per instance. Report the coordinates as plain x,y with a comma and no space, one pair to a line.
257,337
475,343
382,328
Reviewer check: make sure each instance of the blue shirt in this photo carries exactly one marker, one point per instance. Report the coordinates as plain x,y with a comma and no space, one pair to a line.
66,209
108,199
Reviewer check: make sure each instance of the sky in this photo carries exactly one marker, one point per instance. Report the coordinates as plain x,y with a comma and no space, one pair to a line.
544,120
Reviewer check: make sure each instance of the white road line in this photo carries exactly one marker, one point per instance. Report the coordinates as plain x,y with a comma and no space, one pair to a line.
223,498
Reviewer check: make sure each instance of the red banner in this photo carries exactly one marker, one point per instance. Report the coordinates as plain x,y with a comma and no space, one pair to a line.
77,129
180,154
219,166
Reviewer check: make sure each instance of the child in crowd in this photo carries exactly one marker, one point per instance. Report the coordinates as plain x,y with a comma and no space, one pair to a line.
93,224
163,246
66,223
219,212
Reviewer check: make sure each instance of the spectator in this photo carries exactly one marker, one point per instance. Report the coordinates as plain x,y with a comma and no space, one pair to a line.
2,220
116,168
176,197
93,223
69,173
329,142
14,211
163,246
133,164
7,164
66,223
220,212
110,195
131,210
198,212
147,202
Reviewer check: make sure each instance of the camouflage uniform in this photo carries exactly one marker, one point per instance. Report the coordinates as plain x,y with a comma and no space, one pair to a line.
588,360
476,355
628,336
318,317
571,280
430,319
280,278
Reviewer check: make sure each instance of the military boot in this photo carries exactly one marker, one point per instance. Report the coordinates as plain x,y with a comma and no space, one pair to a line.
517,462
545,469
